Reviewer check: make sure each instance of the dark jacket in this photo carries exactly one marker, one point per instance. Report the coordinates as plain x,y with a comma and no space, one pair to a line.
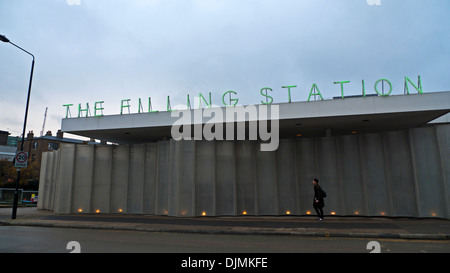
318,195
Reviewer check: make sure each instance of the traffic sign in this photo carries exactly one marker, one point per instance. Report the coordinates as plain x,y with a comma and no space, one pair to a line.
21,159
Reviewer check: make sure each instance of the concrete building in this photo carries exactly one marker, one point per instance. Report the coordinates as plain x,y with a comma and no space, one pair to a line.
374,156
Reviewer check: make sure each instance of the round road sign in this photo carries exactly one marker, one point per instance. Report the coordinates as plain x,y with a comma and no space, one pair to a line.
21,157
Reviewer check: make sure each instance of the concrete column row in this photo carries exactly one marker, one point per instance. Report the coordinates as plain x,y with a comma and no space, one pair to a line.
398,173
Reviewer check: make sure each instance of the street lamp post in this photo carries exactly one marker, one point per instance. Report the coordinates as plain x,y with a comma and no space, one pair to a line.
16,192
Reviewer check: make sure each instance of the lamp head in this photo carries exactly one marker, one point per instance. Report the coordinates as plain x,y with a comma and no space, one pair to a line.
4,39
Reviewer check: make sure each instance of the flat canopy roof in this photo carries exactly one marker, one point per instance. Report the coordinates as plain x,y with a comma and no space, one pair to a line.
308,119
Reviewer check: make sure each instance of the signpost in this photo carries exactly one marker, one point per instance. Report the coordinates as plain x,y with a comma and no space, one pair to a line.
23,157
20,161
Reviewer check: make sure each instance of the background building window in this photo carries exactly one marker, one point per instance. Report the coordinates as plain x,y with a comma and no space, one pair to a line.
35,145
52,146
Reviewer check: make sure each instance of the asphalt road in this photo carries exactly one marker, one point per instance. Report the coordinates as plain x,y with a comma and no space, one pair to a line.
18,239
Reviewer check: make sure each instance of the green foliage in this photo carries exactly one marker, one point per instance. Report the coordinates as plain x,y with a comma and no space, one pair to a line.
29,176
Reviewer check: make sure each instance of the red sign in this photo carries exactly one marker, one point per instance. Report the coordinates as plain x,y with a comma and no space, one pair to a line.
21,160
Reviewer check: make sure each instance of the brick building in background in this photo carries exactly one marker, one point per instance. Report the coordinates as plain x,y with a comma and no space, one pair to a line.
35,146
7,146
4,137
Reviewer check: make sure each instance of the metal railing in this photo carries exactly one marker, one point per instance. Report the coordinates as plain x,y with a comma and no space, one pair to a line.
27,198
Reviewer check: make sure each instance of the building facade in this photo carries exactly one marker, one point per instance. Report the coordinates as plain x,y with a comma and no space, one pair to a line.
7,146
36,146
376,156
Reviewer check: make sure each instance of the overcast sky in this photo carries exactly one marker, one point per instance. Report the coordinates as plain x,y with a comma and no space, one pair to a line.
106,50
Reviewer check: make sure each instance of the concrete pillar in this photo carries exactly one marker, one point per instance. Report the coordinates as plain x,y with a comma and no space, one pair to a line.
101,188
83,179
225,178
150,174
65,179
245,178
287,178
205,178
119,178
135,192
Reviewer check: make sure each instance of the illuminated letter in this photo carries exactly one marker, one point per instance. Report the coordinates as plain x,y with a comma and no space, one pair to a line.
265,95
169,108
200,97
140,107
418,88
289,90
67,109
363,89
125,106
314,88
150,110
83,110
342,87
101,108
188,102
234,100
390,87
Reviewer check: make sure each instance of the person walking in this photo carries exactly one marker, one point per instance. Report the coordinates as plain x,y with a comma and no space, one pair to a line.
318,202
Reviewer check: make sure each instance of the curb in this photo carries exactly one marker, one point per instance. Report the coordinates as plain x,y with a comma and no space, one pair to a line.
238,231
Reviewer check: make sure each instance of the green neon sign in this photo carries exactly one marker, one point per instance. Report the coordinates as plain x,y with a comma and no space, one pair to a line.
98,108
289,90
266,95
231,100
376,89
342,87
418,87
230,97
314,91
81,110
122,105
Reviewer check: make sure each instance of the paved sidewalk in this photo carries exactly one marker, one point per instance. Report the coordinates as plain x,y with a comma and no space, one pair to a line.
355,227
